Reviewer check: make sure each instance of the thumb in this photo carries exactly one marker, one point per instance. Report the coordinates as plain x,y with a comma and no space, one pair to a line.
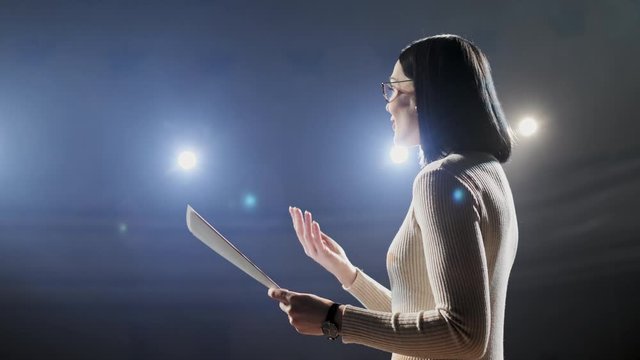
281,295
329,242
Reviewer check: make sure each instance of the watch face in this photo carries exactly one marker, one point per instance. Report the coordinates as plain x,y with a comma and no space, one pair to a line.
329,329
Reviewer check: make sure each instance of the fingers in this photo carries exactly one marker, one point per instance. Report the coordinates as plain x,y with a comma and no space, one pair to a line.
307,228
284,298
282,295
328,242
302,224
317,235
284,308
298,225
298,317
294,218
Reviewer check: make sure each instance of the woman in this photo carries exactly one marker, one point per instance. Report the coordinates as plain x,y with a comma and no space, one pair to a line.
450,261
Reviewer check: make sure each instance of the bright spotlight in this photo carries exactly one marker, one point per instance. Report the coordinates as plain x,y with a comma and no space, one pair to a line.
399,154
187,160
528,126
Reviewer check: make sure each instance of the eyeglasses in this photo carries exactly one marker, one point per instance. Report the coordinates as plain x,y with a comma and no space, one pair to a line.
388,91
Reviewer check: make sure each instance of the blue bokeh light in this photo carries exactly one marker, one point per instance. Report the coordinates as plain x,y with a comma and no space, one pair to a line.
458,195
250,201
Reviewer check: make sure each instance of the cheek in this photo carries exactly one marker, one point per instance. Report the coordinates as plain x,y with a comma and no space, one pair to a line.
404,100
401,104
393,106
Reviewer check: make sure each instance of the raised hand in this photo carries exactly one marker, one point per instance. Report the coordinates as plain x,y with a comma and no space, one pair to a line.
320,247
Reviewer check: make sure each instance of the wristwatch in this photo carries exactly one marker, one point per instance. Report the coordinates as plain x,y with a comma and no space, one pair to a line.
329,327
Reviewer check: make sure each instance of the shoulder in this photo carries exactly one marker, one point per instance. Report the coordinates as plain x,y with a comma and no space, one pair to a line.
447,180
458,165
440,186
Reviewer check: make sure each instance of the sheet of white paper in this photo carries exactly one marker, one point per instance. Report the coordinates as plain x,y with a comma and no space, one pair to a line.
206,233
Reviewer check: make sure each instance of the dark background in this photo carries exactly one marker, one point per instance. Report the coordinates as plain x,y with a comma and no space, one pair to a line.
282,100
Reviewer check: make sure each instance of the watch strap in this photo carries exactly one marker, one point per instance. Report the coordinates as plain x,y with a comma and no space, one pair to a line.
332,312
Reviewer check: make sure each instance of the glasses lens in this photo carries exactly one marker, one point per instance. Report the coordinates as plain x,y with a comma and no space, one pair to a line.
388,91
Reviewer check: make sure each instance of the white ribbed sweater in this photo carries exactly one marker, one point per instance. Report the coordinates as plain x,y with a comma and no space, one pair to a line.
448,267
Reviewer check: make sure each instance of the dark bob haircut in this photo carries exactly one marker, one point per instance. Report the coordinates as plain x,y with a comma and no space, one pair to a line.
458,109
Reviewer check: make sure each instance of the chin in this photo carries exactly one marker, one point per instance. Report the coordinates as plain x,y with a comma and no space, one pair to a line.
403,142
398,140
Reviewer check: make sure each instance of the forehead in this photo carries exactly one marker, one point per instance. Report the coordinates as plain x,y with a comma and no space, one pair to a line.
398,73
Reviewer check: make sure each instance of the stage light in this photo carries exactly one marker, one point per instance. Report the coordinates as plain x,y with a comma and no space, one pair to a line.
187,160
122,228
528,126
399,154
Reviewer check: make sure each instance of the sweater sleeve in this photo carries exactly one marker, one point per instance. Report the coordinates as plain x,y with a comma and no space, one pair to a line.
370,293
458,327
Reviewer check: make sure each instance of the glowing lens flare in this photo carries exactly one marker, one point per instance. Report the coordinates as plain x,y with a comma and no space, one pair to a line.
187,160
528,126
399,154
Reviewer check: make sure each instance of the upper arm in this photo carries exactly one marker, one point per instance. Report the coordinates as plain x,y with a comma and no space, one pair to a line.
448,215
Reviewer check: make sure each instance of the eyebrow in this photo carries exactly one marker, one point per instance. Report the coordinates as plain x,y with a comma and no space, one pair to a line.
392,78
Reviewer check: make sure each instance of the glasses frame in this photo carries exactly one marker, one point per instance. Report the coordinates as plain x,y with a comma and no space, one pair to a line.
384,94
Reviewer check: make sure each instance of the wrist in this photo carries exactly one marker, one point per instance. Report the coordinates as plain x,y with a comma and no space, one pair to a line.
337,318
333,321
347,276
